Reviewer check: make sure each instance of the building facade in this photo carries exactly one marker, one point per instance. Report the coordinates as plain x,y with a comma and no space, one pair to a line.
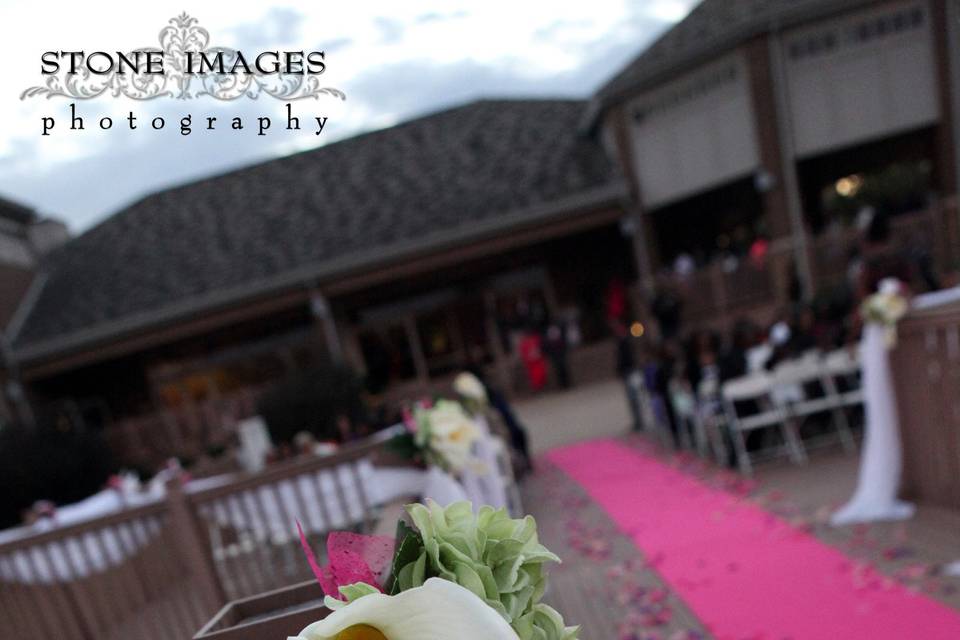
778,120
731,162
410,253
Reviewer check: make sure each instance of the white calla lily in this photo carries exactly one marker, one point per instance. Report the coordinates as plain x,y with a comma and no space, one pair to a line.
439,610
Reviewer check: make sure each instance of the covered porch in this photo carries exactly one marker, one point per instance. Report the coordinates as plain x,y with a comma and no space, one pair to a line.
716,292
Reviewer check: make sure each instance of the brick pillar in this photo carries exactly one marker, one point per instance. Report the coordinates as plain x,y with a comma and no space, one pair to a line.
768,138
943,28
771,102
644,244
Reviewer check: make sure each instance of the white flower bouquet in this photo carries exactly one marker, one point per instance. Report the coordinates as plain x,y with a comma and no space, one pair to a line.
886,308
440,434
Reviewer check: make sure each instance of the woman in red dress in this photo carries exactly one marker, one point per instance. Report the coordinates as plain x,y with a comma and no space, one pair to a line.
531,353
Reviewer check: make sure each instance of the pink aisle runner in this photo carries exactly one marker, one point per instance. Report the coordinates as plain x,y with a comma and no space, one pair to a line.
743,571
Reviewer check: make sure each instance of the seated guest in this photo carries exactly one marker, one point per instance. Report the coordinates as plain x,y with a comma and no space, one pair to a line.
733,359
804,333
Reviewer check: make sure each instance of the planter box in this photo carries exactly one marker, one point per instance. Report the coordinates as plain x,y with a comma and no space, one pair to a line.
273,615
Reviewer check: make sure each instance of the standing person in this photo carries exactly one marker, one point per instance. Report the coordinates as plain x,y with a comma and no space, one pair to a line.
882,259
733,359
628,372
531,353
615,301
666,309
555,344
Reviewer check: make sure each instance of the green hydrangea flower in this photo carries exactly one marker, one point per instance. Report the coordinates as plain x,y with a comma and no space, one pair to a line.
496,557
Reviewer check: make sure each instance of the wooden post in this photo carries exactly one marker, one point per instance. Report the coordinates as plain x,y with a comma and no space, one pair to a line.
944,30
788,163
416,349
352,352
718,283
195,552
645,253
320,309
500,363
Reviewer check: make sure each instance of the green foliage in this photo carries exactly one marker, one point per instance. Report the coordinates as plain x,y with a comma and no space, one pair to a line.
408,548
404,445
498,558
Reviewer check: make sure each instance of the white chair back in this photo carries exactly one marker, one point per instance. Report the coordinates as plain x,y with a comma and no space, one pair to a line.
759,388
255,443
748,387
841,362
758,356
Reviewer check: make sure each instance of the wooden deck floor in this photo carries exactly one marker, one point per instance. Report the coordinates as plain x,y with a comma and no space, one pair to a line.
606,585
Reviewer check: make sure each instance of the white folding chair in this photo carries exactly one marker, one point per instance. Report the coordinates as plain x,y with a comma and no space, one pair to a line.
652,410
685,410
803,388
842,365
710,418
758,356
757,388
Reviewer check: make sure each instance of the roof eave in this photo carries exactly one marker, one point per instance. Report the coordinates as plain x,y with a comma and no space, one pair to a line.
605,98
315,275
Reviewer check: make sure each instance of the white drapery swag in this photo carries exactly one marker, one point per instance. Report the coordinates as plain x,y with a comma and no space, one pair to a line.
483,482
875,497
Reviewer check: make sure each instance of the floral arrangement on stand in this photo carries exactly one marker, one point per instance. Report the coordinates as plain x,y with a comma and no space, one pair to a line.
473,395
452,574
886,308
438,434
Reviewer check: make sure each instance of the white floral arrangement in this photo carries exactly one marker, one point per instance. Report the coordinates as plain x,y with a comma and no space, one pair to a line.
886,308
440,434
472,393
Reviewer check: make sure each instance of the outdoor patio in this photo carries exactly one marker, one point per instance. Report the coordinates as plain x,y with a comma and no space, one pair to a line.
616,590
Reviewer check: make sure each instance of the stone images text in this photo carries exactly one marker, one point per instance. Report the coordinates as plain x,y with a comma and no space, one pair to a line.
150,62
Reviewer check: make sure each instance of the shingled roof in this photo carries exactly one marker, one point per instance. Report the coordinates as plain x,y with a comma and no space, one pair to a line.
710,28
440,178
16,212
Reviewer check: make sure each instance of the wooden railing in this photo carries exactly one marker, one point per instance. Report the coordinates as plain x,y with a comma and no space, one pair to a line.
158,571
714,296
249,523
935,230
128,575
926,373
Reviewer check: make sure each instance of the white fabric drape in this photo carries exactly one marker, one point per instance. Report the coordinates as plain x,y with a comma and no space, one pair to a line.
875,497
482,481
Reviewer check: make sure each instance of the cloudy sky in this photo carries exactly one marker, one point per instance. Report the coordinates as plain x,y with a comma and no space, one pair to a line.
393,60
